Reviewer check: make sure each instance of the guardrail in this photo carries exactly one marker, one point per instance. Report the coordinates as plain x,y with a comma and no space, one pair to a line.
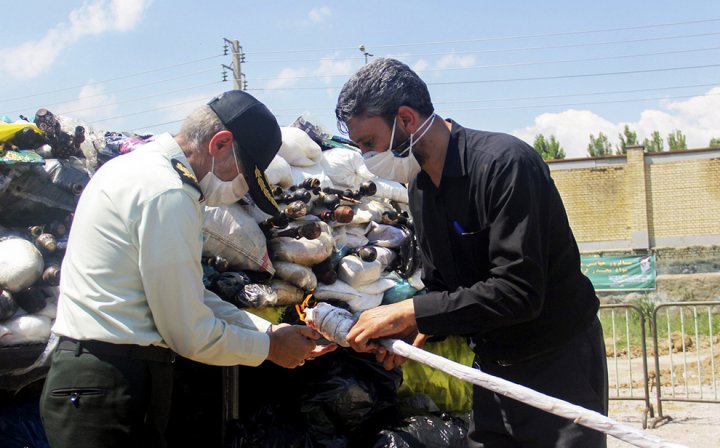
627,369
685,361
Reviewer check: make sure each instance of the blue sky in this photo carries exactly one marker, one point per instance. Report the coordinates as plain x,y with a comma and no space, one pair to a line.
567,68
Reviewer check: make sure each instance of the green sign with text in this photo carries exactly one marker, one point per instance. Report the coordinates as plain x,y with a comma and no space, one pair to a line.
620,272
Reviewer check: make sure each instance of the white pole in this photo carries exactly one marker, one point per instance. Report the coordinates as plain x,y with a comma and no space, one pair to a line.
335,323
577,414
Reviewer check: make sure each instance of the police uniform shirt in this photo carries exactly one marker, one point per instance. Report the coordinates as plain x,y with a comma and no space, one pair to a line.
132,272
498,253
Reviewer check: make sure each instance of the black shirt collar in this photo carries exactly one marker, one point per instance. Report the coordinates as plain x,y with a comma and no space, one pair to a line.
455,164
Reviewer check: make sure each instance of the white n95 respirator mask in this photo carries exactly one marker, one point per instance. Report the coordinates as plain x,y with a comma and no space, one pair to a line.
398,166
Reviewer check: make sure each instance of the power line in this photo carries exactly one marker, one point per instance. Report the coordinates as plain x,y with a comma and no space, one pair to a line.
534,78
535,106
111,79
516,64
187,75
498,38
506,50
141,98
168,106
539,97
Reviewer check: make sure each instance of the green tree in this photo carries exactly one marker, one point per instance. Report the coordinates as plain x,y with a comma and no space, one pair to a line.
714,143
655,144
627,138
676,141
549,149
600,146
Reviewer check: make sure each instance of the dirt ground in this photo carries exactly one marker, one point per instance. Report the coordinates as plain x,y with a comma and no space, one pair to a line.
693,424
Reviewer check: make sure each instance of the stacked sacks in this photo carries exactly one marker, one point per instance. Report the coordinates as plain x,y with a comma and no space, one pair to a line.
43,169
360,254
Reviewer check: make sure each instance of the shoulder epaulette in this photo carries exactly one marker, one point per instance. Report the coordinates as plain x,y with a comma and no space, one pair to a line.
186,176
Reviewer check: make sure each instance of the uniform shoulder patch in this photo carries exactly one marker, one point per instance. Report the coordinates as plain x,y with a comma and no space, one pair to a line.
186,176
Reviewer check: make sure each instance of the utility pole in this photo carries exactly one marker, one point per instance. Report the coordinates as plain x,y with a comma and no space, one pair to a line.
238,57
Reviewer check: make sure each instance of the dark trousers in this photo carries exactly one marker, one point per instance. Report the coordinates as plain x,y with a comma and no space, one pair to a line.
93,399
575,372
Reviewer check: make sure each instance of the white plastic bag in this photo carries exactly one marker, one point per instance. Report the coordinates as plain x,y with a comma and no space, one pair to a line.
345,167
279,172
287,294
385,235
298,149
303,251
21,264
340,290
356,272
350,236
231,232
295,274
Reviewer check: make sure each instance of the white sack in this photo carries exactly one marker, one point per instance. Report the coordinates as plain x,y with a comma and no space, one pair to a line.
303,251
231,232
385,256
279,172
356,272
370,210
21,264
415,280
389,189
349,236
342,291
298,149
25,329
295,274
379,286
385,235
345,167
287,294
299,174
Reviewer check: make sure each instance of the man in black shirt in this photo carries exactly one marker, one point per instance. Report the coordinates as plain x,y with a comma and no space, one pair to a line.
499,259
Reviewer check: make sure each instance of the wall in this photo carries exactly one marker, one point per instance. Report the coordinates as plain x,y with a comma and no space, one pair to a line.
642,201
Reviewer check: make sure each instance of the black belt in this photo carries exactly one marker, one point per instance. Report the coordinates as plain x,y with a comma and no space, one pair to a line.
131,351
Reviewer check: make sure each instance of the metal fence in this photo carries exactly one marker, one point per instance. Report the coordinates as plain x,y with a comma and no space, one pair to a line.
686,357
624,325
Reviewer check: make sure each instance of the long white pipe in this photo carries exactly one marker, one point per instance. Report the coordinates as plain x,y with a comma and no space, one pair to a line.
334,323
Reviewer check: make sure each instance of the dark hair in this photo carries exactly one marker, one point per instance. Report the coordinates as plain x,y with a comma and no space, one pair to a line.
379,89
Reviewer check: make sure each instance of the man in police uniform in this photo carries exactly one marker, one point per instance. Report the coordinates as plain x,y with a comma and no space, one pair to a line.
131,293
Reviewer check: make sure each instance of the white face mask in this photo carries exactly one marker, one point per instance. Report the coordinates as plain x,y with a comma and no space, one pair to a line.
401,167
218,192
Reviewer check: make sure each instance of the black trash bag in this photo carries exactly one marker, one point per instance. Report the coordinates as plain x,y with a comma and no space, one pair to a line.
42,194
271,426
426,431
347,398
21,427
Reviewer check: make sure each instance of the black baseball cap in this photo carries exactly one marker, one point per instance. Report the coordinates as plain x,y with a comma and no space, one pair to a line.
257,134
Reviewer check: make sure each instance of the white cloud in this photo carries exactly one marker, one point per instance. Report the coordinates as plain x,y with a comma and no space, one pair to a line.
91,104
330,68
572,129
698,118
454,61
317,15
32,58
287,77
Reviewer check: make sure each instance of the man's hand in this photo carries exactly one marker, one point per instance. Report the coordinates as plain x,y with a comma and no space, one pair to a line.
291,345
396,320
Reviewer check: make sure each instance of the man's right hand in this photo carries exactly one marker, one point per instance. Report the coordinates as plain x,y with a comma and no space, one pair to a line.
291,345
